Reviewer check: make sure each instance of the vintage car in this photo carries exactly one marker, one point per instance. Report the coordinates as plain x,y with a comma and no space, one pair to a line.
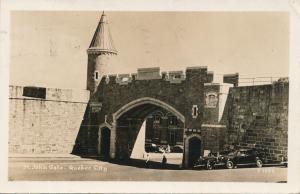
231,159
219,159
211,161
202,162
151,147
244,157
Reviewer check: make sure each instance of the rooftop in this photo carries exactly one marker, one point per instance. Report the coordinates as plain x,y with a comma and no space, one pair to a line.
102,42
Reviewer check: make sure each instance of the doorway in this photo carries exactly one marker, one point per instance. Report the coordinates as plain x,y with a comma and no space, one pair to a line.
105,142
194,150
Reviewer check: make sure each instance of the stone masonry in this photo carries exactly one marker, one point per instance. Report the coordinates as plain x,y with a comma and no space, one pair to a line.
45,126
258,117
123,102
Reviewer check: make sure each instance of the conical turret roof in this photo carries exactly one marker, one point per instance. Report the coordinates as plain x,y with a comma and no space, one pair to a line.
102,41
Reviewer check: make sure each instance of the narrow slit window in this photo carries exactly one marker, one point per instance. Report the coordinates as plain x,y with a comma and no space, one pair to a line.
195,111
96,75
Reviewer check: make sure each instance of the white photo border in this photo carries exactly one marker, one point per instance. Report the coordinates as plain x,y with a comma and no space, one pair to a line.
292,185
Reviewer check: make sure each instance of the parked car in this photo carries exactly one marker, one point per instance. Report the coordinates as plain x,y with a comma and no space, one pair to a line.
244,157
206,162
219,159
151,147
177,149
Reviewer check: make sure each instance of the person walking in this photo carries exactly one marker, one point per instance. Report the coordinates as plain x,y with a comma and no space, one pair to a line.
164,161
147,160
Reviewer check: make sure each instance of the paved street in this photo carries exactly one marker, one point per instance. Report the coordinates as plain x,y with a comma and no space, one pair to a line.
74,169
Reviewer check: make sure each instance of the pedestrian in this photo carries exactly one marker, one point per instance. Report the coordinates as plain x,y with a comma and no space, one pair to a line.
164,161
147,160
168,148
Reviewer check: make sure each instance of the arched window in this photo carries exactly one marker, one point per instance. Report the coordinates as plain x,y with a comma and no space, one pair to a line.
156,119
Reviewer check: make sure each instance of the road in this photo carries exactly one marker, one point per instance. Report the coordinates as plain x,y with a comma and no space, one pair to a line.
75,169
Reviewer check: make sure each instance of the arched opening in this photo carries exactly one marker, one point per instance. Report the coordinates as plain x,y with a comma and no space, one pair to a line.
194,150
149,101
105,142
128,128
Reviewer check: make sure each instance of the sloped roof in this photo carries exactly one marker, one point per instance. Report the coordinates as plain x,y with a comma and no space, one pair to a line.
102,41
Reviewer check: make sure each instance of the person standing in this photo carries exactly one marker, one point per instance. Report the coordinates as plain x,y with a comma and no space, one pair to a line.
168,150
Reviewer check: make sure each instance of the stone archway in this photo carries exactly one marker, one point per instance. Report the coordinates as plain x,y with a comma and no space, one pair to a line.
147,100
193,149
128,120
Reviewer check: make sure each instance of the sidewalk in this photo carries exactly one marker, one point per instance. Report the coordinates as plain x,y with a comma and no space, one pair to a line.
17,157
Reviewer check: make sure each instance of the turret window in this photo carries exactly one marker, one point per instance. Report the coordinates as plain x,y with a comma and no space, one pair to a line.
96,76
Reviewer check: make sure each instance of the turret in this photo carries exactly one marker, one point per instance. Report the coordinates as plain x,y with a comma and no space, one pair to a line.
99,52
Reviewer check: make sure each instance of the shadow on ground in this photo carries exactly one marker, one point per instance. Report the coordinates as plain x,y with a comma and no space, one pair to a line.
139,163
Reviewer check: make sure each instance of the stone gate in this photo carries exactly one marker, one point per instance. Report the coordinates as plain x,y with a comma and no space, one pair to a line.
121,103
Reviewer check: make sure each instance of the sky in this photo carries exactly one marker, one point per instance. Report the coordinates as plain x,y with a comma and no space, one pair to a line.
48,48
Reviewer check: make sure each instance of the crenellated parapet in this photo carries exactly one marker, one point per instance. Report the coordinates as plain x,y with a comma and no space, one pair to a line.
153,73
231,79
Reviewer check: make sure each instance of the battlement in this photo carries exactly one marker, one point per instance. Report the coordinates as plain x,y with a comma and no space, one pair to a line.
154,73
231,79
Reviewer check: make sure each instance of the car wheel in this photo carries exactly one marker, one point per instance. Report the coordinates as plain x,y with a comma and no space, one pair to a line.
209,166
229,164
259,163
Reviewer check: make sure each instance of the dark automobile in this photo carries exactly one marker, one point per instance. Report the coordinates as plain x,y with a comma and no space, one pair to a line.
218,159
151,147
202,162
244,157
177,149
209,162
231,159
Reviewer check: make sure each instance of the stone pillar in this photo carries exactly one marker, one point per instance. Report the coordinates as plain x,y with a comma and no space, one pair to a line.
185,149
186,153
113,135
99,142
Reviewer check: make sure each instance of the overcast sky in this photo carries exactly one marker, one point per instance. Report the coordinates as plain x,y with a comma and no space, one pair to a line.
49,48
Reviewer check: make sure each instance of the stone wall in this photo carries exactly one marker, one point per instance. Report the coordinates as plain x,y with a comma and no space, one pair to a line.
213,137
211,106
44,125
183,93
179,93
213,131
258,117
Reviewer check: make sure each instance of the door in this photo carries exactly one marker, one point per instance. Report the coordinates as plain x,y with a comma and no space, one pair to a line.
105,142
194,150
